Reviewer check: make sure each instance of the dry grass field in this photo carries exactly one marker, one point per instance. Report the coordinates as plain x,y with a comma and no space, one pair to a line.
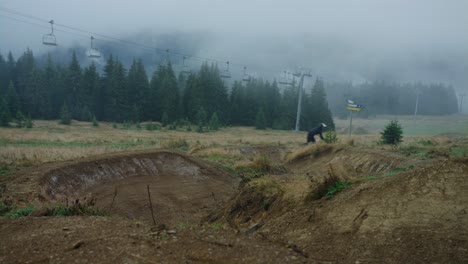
48,141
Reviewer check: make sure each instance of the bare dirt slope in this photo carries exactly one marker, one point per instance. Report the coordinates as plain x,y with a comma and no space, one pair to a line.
181,188
419,216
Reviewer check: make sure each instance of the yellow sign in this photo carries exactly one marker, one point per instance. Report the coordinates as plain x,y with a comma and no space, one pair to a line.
357,109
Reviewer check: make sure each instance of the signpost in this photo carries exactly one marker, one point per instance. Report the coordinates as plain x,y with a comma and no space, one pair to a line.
352,107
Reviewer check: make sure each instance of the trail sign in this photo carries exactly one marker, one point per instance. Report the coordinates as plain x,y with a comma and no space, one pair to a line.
352,107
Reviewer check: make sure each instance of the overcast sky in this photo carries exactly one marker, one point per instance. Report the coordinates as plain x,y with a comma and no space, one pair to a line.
358,40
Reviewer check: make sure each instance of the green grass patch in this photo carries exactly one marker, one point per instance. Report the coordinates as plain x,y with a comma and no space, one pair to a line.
4,169
216,226
20,212
222,161
459,151
182,226
74,210
249,173
337,187
427,142
399,170
413,150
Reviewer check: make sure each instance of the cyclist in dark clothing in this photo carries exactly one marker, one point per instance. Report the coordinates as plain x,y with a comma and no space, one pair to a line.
315,131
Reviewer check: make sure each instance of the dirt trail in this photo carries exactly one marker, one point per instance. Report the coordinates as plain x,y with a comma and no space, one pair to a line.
116,240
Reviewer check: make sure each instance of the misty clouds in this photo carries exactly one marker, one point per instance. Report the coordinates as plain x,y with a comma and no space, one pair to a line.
398,40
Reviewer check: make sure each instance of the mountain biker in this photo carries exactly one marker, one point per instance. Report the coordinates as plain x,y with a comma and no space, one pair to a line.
315,131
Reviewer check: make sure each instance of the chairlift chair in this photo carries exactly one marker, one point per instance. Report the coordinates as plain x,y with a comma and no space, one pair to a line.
226,73
246,77
185,69
285,79
92,52
49,39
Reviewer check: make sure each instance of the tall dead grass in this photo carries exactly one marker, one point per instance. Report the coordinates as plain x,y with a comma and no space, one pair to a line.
314,150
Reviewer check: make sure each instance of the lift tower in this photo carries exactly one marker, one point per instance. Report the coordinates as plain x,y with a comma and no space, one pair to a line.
301,73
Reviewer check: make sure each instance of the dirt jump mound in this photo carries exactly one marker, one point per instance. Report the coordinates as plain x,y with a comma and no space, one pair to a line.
181,188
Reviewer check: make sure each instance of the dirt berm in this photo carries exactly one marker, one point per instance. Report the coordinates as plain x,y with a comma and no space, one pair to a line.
181,188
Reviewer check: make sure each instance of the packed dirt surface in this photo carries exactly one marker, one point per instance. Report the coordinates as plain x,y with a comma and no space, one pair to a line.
397,209
116,240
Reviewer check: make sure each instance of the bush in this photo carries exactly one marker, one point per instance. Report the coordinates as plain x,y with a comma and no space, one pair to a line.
95,122
29,123
330,137
150,126
65,116
214,122
20,120
392,134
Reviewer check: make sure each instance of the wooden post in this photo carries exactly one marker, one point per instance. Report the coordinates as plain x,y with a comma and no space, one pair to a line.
151,204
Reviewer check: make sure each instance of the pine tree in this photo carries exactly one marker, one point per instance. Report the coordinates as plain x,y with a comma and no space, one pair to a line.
20,119
105,97
164,119
192,100
94,121
118,109
214,122
86,114
260,120
316,108
5,117
168,93
392,134
138,89
74,88
201,119
65,116
29,123
91,90
4,78
53,90
288,107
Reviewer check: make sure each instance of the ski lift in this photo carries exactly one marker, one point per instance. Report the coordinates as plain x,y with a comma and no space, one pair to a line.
49,39
165,58
185,69
92,52
246,77
285,79
226,73
168,57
